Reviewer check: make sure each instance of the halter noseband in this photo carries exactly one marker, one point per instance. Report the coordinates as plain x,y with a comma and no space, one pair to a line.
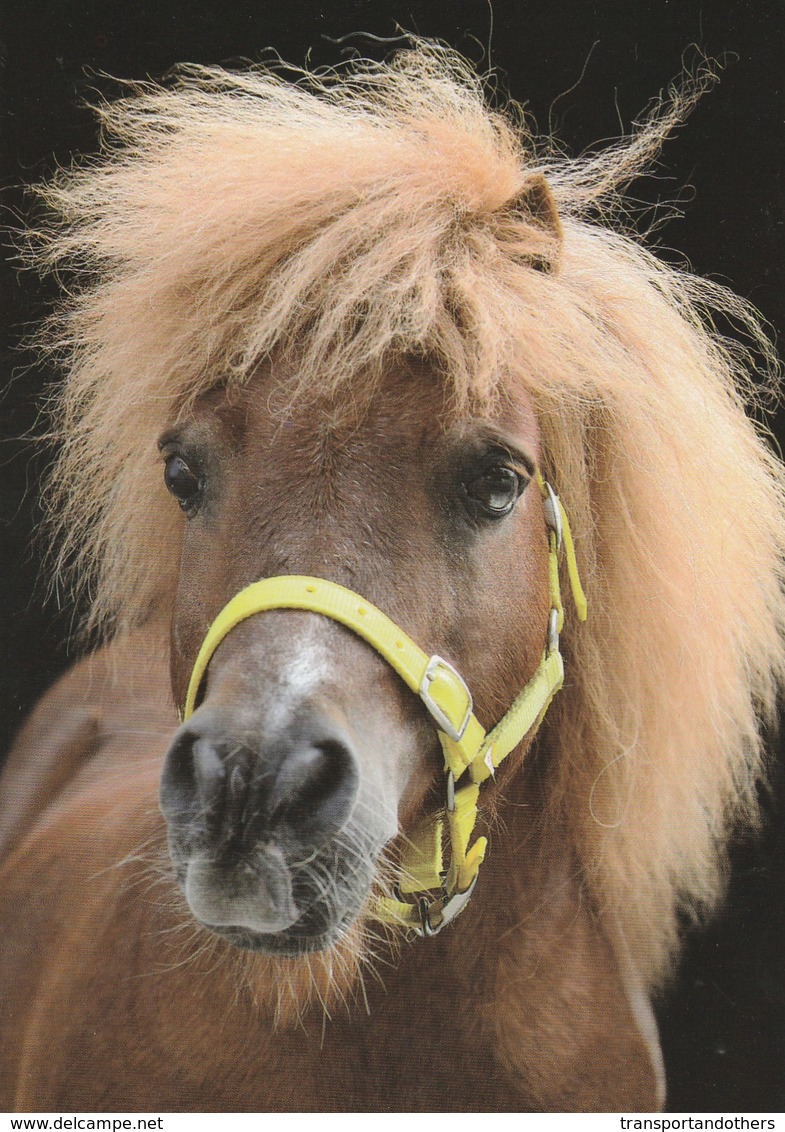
439,895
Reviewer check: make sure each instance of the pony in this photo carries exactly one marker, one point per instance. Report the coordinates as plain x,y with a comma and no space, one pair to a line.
345,332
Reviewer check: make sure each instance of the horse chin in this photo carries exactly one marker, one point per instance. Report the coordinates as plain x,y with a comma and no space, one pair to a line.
289,944
275,908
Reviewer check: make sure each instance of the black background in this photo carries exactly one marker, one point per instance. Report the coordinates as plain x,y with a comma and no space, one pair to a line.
586,70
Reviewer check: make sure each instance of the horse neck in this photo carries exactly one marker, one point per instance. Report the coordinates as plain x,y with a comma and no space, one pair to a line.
527,892
534,970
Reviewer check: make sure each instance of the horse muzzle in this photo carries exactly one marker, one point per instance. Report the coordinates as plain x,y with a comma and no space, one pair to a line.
253,822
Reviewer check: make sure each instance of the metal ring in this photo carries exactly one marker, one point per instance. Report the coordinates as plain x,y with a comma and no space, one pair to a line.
425,918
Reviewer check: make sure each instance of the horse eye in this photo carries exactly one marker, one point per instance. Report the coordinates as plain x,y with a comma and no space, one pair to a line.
496,491
183,483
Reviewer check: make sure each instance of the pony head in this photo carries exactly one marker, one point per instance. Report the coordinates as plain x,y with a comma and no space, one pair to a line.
285,283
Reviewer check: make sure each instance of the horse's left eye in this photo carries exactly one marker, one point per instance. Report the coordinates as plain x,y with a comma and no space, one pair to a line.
184,484
496,490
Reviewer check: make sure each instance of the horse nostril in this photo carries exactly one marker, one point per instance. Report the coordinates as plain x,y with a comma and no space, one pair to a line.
298,787
204,777
178,781
209,769
314,784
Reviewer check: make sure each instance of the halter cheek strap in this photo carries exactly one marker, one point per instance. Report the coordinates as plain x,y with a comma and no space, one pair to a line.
468,749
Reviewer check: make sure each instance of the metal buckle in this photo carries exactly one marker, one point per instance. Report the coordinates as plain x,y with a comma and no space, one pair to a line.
553,513
451,908
456,734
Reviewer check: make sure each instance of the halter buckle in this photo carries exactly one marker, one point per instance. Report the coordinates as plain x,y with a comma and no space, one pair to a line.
438,713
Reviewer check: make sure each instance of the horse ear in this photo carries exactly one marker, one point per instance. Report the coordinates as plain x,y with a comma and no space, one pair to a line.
535,205
536,199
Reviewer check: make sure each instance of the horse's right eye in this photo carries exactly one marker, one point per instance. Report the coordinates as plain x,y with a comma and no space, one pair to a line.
496,491
184,484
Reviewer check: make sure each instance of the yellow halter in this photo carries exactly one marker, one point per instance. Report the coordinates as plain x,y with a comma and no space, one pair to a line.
439,895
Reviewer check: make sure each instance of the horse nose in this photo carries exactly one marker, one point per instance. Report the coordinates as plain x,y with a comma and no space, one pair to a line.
295,789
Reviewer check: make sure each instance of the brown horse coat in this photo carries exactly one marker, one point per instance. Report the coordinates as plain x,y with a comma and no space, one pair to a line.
112,1002
357,314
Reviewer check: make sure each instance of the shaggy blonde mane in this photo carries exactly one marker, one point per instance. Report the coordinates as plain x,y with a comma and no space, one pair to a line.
337,223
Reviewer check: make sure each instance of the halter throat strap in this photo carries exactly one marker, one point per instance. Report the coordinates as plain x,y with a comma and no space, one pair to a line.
471,754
